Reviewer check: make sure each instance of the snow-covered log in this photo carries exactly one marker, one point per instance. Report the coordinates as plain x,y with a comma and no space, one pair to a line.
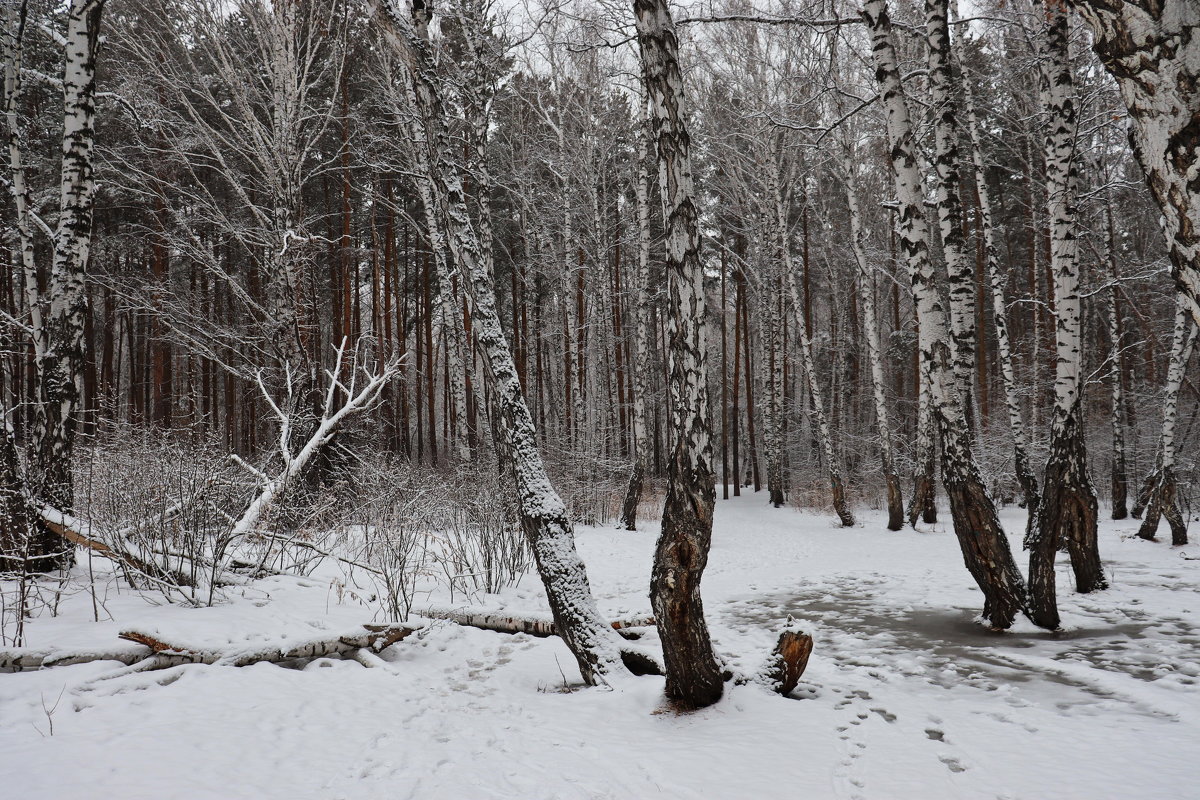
369,637
534,625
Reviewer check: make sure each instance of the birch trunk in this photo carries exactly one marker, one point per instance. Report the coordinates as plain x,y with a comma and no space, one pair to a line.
693,676
948,196
1152,49
595,645
1068,509
641,366
1120,479
996,278
1164,496
451,318
923,503
984,546
61,365
866,293
804,346
773,416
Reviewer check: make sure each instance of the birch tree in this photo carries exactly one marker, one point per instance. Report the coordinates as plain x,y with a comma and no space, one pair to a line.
693,676
1068,508
984,546
595,645
1152,51
1164,496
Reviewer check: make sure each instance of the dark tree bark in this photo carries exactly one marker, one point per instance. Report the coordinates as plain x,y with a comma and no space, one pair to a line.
693,677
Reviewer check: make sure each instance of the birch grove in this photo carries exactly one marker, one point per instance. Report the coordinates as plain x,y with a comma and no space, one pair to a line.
297,277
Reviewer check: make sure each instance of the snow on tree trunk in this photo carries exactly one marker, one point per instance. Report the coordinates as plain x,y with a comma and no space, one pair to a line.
693,677
451,319
1068,509
948,198
804,346
1152,49
595,645
60,366
1164,496
984,546
641,350
996,278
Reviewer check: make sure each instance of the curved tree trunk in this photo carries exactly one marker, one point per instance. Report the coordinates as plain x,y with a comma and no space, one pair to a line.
595,645
1069,508
984,546
693,677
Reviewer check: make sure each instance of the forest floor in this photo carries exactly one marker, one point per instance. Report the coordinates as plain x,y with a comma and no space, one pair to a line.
906,696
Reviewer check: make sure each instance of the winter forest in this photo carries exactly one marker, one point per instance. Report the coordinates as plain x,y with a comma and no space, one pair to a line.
587,399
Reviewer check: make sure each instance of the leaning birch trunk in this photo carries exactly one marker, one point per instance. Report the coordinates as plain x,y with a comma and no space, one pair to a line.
1068,509
1153,51
641,352
996,278
60,368
1164,495
804,346
595,645
984,546
959,273
1120,474
451,318
693,677
866,294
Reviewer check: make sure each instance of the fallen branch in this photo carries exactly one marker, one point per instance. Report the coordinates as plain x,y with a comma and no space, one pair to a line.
22,658
79,533
534,625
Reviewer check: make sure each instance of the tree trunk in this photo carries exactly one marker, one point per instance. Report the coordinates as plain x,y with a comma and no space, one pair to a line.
693,677
997,276
984,546
1153,52
1120,479
544,519
641,365
1068,511
61,366
1163,500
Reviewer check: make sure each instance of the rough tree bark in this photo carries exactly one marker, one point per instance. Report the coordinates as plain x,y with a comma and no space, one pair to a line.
693,676
984,546
1120,474
1152,49
595,645
59,320
1163,500
1068,510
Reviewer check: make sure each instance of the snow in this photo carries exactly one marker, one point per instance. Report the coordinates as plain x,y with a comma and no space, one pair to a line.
905,696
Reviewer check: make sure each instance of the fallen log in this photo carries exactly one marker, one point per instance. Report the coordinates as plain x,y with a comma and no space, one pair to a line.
77,532
373,638
21,659
157,653
534,625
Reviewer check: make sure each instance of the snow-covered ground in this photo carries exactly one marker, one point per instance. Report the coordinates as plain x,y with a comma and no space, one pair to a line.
905,696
